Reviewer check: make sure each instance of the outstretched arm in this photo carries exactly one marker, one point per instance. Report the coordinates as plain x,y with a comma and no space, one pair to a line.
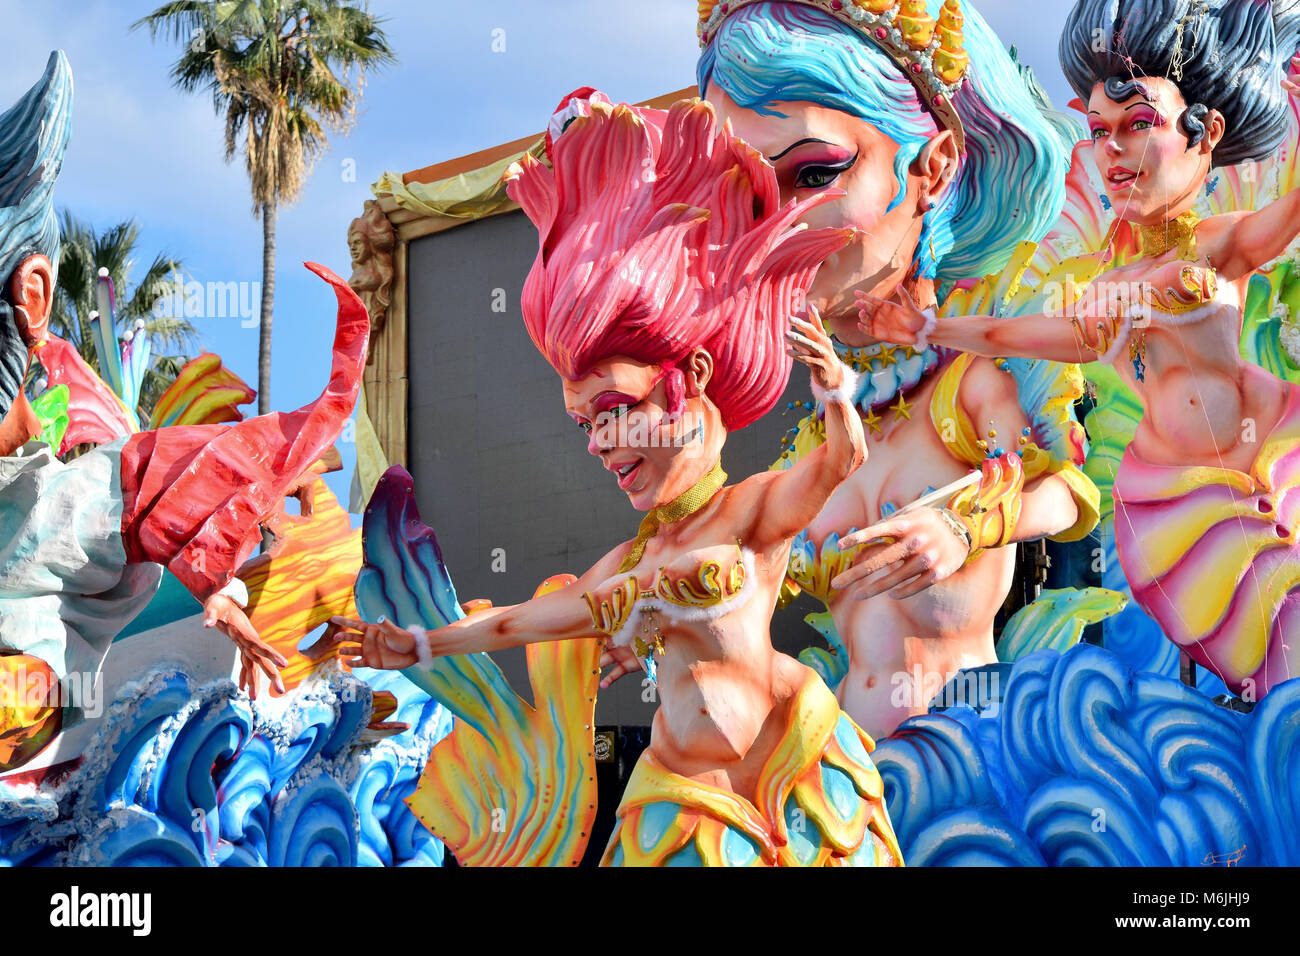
791,499
1056,338
1252,240
558,616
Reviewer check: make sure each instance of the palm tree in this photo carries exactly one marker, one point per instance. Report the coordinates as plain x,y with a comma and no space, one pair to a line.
82,253
277,70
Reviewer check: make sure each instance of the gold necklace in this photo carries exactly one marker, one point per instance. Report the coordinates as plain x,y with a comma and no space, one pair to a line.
1180,234
687,503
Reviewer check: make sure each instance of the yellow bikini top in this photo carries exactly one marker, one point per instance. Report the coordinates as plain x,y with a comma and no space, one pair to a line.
676,596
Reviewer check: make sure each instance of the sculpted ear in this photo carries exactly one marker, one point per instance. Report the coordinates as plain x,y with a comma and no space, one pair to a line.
32,293
1215,127
697,371
936,165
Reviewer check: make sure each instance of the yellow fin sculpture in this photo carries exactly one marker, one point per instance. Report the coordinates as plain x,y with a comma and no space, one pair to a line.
525,794
204,393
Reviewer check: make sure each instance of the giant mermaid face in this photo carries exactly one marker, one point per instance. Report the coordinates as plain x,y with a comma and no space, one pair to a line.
816,149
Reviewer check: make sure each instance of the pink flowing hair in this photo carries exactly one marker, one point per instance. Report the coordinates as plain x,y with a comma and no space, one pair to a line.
659,233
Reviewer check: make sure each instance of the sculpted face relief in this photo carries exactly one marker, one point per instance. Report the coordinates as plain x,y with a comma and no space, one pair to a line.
653,446
820,150
1150,170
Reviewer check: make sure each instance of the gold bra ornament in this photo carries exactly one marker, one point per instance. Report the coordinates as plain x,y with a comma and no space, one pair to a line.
1197,286
709,587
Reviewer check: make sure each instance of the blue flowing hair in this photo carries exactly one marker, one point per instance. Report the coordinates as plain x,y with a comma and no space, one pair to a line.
33,137
1010,185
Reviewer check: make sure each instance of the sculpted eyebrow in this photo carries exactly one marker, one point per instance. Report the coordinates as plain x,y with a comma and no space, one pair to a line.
801,142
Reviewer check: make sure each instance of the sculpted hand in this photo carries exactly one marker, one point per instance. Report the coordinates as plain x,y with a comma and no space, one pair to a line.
923,551
383,646
898,320
622,659
1289,81
807,342
229,618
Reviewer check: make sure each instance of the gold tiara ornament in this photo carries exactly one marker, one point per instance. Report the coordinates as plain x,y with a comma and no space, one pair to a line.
930,53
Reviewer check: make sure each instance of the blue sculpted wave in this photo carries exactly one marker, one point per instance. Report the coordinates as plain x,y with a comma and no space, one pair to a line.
1087,762
181,775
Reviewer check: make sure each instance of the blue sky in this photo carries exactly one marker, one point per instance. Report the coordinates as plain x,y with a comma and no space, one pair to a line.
140,149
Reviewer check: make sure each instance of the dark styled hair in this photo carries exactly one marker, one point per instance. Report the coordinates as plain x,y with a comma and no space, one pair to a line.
33,137
1225,55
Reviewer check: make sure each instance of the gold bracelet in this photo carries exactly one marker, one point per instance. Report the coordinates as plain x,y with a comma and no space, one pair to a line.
990,510
955,526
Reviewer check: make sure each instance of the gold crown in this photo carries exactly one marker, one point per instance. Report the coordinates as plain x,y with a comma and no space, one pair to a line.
931,54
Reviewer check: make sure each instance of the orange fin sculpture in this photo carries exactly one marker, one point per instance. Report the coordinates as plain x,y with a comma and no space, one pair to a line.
306,577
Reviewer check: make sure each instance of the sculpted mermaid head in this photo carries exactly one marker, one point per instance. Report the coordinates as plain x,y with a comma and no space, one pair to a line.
665,277
33,136
1175,87
819,92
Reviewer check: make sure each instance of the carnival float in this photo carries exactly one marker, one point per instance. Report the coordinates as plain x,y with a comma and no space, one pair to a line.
961,457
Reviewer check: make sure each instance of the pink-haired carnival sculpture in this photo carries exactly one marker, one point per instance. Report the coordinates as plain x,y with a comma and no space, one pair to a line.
663,294
1076,737
887,147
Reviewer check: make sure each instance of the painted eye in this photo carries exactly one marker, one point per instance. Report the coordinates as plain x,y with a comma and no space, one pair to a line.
819,176
585,426
816,177
1098,133
1139,125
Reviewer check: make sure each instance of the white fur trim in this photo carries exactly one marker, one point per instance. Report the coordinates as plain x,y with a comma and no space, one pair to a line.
927,330
237,591
846,393
1160,317
422,651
